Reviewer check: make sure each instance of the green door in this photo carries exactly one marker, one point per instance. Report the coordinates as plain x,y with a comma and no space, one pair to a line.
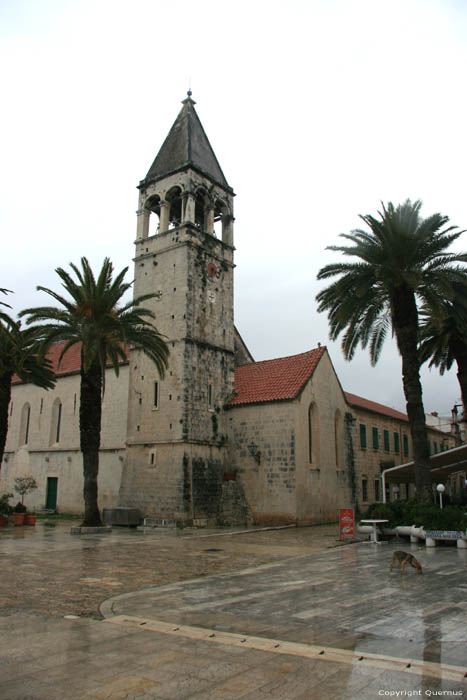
51,497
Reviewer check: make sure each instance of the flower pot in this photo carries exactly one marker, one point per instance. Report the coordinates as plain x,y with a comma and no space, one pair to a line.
3,520
30,519
230,476
18,518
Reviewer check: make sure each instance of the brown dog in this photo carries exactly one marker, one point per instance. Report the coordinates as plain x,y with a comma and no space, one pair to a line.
404,558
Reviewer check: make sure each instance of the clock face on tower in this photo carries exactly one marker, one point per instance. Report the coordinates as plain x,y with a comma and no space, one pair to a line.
212,270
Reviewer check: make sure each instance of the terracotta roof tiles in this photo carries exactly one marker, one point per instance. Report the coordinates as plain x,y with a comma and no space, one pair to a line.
274,380
70,364
374,407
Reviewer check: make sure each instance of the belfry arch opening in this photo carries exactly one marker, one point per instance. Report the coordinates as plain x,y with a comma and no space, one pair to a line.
201,209
153,207
222,221
174,200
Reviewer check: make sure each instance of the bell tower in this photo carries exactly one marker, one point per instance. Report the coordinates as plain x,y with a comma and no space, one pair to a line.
176,435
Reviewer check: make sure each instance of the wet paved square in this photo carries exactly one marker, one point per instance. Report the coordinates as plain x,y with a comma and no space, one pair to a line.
344,598
314,622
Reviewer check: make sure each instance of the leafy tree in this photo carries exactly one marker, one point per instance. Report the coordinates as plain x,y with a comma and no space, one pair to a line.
93,317
24,484
399,261
443,335
19,354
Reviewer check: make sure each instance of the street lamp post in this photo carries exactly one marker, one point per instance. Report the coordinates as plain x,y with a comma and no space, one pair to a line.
440,489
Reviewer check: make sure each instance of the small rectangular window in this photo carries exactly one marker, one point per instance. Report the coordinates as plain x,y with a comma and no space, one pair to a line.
386,440
156,395
362,435
435,448
397,446
365,490
209,396
375,438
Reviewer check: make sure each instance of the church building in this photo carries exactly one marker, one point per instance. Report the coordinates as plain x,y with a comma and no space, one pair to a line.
221,439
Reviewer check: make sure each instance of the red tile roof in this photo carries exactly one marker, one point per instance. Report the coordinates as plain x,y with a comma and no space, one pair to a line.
274,380
71,361
374,407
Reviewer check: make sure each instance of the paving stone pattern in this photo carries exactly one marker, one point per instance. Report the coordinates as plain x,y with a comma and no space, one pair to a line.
292,587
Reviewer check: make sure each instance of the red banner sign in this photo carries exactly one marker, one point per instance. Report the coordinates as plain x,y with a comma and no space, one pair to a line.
346,522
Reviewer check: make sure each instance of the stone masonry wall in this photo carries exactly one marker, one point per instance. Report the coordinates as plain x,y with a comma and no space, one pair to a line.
323,482
262,443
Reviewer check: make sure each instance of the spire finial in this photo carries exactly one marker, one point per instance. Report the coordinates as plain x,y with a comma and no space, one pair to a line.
188,98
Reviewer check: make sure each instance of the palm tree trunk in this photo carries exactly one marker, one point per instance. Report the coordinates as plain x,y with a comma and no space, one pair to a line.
5,396
459,350
405,320
90,412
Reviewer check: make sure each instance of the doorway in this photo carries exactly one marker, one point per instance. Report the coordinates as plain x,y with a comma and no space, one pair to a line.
51,493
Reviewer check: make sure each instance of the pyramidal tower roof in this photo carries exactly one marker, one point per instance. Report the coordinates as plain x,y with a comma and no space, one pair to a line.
186,146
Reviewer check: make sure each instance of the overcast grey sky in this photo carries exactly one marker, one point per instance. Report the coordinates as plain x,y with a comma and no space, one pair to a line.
317,110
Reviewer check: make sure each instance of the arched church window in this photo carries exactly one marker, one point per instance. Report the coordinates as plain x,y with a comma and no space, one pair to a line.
24,425
174,198
56,423
313,434
338,437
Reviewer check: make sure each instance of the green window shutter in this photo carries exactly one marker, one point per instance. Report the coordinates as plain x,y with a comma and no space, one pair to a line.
375,439
405,440
386,440
377,489
362,435
365,490
435,447
397,447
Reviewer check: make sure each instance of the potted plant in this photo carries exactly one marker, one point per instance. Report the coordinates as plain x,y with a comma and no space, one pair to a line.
19,513
23,485
5,509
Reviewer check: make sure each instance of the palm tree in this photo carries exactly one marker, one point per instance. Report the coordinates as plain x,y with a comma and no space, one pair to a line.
93,317
19,348
401,259
443,334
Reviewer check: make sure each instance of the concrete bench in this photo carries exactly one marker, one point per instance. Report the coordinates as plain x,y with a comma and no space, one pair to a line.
431,537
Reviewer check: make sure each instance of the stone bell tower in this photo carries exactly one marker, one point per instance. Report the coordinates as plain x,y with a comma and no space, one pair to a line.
176,437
